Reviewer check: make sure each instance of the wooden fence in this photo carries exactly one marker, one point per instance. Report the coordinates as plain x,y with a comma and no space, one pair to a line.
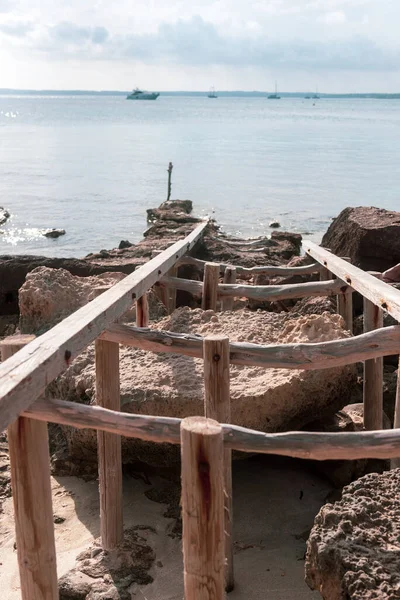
206,441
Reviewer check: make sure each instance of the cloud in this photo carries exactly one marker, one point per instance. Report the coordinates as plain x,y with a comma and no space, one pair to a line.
197,42
66,33
16,29
6,6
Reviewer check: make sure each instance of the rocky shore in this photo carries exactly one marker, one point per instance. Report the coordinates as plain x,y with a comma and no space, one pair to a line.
38,292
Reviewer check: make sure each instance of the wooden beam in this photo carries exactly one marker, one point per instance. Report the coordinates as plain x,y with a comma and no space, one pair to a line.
313,446
202,509
31,487
319,355
217,406
171,292
25,376
379,293
230,278
267,270
261,292
373,372
210,287
109,446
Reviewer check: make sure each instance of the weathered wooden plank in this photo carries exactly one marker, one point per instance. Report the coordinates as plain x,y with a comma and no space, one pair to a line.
217,406
373,372
378,292
202,509
229,277
345,308
142,311
210,287
395,462
262,292
320,355
315,446
267,270
109,446
25,375
30,480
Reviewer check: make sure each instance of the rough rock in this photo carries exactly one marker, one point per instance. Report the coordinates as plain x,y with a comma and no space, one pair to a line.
110,575
54,233
4,215
314,306
14,269
172,385
274,224
369,236
353,552
125,244
343,472
50,295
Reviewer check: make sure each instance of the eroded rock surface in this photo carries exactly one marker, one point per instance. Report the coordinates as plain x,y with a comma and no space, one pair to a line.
353,552
370,236
172,385
50,295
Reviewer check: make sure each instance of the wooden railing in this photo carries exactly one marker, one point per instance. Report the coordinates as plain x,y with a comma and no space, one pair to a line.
205,442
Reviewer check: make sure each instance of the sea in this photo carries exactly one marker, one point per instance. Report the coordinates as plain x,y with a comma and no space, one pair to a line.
92,165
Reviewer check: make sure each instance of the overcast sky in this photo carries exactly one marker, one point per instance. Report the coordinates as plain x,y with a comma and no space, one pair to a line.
337,45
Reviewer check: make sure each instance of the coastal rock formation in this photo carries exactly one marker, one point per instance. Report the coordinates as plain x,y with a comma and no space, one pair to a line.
4,215
172,385
50,295
369,236
54,233
353,550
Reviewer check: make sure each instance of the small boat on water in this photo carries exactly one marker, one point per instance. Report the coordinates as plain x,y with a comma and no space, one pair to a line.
140,95
212,93
274,96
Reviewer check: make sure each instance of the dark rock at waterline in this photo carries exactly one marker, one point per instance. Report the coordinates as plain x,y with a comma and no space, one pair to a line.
125,244
370,236
4,215
54,233
275,224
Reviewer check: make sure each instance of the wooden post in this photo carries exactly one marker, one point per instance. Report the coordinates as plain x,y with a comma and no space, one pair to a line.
210,286
324,274
142,312
31,486
171,292
373,372
217,405
345,308
170,167
395,462
229,277
203,509
109,446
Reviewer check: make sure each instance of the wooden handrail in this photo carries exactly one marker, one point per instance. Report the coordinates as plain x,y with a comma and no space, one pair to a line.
262,292
306,356
24,376
378,292
302,444
267,270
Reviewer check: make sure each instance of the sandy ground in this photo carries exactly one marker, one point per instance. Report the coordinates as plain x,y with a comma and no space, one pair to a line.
275,501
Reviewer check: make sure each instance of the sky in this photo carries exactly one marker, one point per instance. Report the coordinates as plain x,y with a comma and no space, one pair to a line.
339,46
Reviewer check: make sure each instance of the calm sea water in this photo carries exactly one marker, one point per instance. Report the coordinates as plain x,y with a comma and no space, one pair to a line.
92,165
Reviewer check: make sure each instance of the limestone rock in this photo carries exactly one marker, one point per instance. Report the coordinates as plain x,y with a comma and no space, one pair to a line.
172,385
353,552
369,236
50,295
108,575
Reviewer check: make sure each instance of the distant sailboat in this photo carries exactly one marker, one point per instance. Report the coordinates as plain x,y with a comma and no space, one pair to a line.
316,97
274,96
212,93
